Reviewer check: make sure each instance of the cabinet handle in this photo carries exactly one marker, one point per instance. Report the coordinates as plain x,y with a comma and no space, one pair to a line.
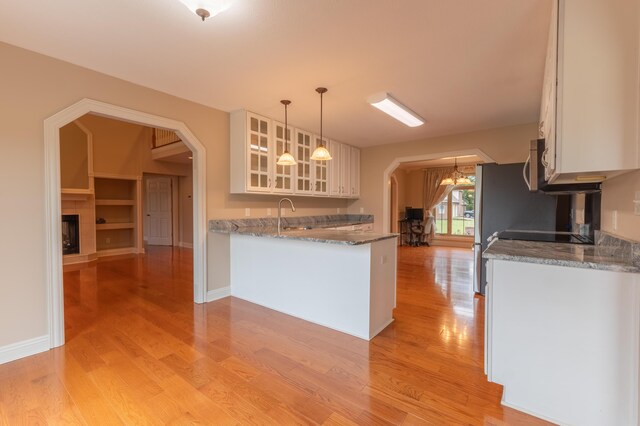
543,159
541,129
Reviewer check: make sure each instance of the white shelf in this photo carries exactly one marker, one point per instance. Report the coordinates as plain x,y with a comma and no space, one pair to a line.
109,226
106,202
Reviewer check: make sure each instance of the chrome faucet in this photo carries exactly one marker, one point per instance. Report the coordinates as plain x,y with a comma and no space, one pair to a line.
293,209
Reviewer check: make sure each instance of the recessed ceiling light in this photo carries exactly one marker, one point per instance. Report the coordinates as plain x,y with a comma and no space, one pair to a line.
190,158
385,103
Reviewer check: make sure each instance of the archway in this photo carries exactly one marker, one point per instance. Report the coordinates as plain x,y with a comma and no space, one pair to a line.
52,125
386,176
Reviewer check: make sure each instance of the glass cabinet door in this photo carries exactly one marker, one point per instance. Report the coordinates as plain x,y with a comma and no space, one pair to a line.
321,172
283,176
258,132
303,157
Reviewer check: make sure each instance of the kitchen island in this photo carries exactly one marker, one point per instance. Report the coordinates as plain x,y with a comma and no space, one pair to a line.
562,332
344,280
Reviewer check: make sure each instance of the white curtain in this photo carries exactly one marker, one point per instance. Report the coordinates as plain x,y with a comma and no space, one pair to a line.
433,194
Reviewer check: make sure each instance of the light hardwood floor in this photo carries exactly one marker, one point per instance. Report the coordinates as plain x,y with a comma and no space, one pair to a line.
139,351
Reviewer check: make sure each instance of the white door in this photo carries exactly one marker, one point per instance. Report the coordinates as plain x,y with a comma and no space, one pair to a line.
158,210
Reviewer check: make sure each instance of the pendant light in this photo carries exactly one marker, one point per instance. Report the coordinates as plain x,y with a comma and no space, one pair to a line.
286,159
457,177
321,153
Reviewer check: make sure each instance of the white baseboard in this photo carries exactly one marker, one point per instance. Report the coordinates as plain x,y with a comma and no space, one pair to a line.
218,293
532,413
22,349
185,245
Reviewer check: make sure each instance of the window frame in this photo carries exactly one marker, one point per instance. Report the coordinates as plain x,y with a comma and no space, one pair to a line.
449,217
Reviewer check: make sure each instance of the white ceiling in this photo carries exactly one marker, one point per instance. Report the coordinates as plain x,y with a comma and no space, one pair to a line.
463,65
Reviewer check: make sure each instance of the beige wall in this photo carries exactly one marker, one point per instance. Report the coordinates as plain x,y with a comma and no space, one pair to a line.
414,188
35,87
74,164
504,145
618,194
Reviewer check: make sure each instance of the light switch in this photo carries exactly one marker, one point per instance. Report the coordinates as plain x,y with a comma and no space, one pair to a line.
247,212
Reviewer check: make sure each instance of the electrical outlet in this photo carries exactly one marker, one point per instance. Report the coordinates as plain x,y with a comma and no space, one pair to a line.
338,210
361,210
247,212
383,259
268,212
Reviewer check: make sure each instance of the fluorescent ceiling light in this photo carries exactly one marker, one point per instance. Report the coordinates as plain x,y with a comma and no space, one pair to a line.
206,8
385,103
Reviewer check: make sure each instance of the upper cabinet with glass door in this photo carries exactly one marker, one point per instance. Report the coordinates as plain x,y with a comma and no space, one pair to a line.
304,149
256,144
283,176
320,171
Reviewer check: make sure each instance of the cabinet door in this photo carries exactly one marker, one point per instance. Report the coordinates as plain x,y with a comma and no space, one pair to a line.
259,149
335,170
354,172
547,128
320,172
303,157
283,175
345,170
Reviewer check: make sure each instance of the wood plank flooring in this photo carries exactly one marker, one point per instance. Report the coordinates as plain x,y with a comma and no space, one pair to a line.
139,351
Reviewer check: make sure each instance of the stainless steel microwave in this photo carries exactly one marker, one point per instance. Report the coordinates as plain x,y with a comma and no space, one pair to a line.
533,174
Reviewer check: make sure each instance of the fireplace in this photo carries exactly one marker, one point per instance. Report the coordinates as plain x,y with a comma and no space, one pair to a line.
70,234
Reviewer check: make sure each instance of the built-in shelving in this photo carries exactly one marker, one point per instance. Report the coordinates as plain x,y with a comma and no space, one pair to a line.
117,208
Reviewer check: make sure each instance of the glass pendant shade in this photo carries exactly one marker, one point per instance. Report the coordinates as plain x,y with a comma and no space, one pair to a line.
286,159
321,153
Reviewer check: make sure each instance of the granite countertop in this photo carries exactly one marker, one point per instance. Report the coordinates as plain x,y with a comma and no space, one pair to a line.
316,232
601,256
319,235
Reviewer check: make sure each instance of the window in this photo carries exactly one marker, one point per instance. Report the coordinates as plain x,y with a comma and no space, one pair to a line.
455,215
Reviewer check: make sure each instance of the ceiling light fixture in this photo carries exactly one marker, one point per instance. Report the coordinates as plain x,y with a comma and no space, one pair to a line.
385,103
321,153
206,8
286,159
457,177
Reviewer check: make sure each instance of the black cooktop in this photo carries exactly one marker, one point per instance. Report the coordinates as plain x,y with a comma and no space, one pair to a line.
548,237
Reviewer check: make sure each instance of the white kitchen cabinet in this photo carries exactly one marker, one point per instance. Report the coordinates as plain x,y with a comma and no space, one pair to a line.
283,176
304,149
590,105
256,144
354,172
320,171
252,153
563,341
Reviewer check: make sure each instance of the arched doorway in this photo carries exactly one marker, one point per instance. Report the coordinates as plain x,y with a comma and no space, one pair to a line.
52,125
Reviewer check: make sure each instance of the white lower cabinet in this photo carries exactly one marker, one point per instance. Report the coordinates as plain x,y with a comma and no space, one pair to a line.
564,341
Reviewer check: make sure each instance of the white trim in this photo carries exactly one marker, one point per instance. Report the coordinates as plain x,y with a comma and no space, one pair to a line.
531,413
218,293
52,125
386,183
118,251
382,327
24,348
101,175
186,245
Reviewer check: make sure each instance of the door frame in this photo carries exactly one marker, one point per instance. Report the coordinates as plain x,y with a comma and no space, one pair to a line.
52,125
173,208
